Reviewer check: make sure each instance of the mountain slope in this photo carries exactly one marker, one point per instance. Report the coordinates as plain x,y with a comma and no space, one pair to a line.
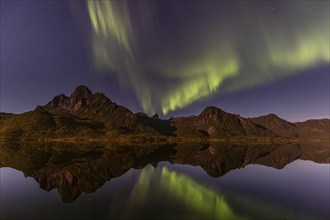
311,129
42,124
84,114
278,125
216,123
82,103
318,129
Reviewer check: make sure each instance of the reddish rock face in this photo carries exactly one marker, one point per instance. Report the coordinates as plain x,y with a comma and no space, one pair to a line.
79,98
81,92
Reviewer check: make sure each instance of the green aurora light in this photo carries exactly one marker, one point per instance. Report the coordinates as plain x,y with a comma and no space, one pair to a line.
255,45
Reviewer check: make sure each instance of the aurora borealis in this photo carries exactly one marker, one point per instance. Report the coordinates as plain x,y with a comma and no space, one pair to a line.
215,47
170,57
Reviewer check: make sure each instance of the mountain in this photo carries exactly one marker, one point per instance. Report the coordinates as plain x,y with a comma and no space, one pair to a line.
311,129
92,116
217,123
319,129
83,103
80,97
277,125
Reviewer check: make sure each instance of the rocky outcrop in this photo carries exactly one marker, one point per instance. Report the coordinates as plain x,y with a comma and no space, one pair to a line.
79,98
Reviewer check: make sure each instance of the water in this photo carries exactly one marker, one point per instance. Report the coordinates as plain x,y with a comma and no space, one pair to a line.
227,181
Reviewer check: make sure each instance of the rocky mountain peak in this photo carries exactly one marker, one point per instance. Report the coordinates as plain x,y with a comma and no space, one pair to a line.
81,92
272,116
273,120
58,100
211,112
80,97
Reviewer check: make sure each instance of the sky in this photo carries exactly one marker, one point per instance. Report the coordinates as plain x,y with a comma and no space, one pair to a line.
171,57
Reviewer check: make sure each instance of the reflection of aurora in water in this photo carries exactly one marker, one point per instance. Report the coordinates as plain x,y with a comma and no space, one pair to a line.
182,192
156,186
195,195
189,194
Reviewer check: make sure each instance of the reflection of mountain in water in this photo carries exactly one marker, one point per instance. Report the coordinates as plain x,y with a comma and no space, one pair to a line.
74,169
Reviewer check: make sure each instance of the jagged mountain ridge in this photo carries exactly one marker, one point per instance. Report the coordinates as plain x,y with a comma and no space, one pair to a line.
79,98
87,114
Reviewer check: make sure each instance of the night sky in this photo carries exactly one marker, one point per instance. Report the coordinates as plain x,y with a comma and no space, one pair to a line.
170,57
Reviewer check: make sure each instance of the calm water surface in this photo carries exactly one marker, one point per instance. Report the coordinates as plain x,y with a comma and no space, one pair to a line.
209,187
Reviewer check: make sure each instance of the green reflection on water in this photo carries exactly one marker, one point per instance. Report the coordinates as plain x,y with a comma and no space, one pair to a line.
159,186
195,195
